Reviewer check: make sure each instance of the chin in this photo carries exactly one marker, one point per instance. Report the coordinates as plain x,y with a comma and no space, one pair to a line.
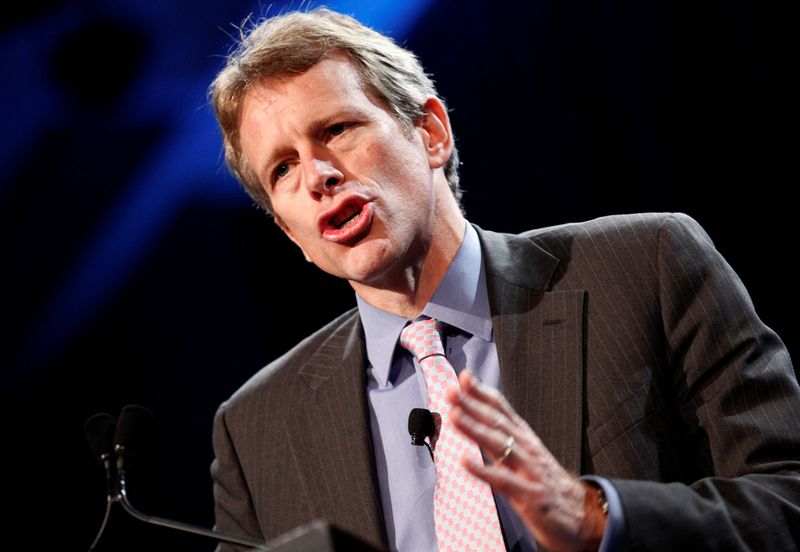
366,264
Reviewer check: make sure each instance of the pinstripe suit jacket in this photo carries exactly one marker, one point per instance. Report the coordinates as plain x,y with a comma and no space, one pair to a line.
629,345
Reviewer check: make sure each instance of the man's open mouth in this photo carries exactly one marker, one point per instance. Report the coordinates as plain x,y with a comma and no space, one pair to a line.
346,216
349,222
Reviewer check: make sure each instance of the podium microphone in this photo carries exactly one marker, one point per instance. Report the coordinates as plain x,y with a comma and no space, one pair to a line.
99,430
129,436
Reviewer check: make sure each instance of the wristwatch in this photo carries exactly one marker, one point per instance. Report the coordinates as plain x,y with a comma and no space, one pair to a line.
601,500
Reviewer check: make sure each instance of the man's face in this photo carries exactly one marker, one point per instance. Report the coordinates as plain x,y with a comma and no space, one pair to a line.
349,184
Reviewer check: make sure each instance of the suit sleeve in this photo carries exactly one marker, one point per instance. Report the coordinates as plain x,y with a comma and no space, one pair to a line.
738,397
234,511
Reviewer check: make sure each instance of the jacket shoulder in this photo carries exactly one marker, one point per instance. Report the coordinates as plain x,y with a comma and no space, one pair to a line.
285,369
640,233
619,225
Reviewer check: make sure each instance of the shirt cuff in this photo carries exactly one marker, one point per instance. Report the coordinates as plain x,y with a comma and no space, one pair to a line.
615,525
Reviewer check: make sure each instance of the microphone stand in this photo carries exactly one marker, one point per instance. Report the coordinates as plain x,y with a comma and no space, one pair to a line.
121,496
112,441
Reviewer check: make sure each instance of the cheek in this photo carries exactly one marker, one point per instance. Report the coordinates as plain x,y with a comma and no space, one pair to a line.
292,223
399,164
301,230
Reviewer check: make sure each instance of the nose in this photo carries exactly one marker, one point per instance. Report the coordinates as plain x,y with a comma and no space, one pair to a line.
322,177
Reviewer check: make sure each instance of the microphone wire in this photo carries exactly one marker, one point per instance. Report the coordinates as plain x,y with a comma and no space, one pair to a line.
429,449
106,517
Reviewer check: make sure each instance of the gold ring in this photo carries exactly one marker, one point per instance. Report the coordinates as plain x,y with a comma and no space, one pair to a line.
509,446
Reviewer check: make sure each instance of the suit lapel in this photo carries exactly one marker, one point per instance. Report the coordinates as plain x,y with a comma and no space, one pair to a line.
337,459
539,336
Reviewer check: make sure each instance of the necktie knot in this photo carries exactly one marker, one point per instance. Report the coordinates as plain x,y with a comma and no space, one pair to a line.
423,338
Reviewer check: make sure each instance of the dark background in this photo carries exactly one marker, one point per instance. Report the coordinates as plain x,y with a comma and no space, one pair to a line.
135,271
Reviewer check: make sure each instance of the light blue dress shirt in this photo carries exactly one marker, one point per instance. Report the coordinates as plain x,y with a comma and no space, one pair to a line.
395,385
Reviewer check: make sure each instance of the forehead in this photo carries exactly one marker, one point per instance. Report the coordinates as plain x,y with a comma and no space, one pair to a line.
331,81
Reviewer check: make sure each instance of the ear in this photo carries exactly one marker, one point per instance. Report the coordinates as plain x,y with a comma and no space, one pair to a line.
434,128
286,230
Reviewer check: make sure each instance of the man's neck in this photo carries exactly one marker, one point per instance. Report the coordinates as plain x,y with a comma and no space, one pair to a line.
411,289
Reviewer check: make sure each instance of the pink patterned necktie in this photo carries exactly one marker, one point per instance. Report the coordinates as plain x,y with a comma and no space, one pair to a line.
465,515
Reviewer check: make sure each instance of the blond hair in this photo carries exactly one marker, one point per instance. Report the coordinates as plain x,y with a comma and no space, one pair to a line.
292,43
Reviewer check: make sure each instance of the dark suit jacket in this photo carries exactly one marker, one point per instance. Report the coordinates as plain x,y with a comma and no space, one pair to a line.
629,345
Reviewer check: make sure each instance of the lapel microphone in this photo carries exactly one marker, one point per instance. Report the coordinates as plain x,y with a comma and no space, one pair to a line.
420,425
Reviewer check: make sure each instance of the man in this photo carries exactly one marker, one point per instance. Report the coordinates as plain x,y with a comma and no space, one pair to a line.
623,347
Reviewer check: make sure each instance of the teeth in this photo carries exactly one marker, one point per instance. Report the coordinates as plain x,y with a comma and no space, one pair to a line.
350,221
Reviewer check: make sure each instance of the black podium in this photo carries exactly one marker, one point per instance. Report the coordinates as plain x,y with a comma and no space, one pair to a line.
318,536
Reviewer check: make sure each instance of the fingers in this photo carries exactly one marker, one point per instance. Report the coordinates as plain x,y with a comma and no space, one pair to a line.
491,406
550,500
491,419
492,440
505,481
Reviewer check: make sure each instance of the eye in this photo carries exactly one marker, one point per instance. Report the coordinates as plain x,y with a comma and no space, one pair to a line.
280,171
337,129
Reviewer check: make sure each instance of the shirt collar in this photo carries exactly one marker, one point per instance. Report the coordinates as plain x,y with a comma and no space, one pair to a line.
461,300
